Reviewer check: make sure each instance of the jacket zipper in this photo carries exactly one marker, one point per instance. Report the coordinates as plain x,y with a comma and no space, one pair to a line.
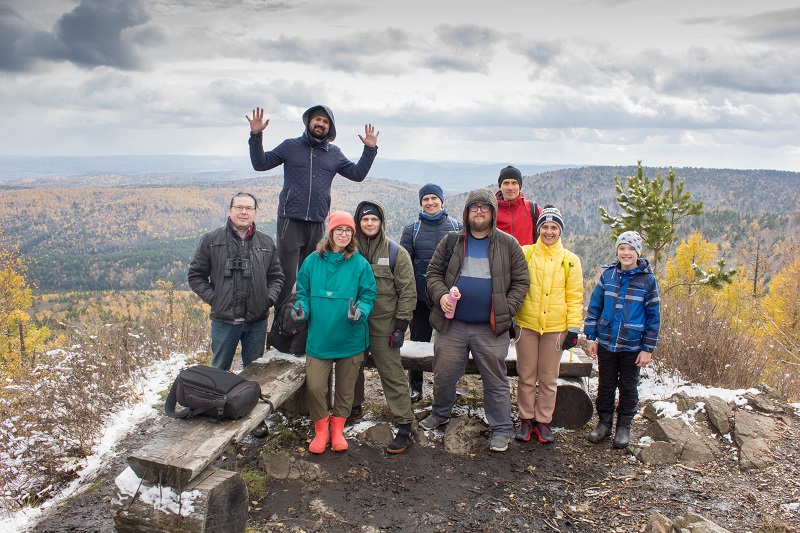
310,181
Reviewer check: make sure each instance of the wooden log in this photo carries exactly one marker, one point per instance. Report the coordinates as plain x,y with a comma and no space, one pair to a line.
184,448
215,501
573,406
419,356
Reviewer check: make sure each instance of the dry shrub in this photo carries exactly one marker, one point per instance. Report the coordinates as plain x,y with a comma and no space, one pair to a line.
53,414
699,341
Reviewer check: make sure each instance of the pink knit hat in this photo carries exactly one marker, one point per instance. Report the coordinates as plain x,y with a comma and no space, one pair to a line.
340,218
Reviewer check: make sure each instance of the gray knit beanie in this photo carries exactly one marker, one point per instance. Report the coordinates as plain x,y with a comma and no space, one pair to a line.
631,238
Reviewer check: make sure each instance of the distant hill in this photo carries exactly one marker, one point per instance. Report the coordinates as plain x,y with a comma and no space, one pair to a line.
124,231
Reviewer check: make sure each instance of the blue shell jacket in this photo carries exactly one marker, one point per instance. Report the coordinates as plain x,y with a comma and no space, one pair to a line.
421,249
625,309
309,167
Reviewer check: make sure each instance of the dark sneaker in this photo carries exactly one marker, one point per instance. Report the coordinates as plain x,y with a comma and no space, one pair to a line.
261,430
525,430
402,440
355,413
432,422
544,433
499,443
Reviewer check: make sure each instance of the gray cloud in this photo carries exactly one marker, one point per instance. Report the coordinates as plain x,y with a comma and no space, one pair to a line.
783,25
346,54
462,48
95,33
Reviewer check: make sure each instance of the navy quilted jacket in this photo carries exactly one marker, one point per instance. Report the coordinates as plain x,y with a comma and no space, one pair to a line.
421,249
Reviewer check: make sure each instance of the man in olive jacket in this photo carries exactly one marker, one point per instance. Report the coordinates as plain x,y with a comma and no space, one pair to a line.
236,271
489,268
394,306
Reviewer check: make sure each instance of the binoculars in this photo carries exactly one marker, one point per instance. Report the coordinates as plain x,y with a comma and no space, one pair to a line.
238,263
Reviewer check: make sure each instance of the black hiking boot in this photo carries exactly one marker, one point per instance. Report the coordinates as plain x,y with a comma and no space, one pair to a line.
261,430
415,385
355,413
600,433
622,437
402,440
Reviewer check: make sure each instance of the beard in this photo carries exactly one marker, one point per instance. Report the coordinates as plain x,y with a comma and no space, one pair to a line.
318,134
479,226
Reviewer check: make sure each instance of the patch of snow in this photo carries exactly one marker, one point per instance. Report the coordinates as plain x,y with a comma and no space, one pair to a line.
161,498
147,388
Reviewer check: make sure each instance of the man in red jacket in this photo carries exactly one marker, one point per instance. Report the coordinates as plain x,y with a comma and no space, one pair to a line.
515,215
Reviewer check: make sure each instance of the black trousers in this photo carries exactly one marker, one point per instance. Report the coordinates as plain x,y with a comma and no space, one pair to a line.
296,240
617,370
422,331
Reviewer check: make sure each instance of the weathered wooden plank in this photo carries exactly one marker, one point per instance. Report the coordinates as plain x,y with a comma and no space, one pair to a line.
573,406
215,501
419,356
185,447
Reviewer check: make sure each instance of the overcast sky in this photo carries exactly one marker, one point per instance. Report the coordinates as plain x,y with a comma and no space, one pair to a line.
680,83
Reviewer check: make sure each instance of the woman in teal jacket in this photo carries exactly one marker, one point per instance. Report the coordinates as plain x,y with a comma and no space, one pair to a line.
335,293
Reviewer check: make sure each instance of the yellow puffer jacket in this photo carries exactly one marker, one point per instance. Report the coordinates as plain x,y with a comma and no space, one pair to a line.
554,301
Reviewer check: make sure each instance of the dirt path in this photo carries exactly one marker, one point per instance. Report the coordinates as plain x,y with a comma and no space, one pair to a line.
570,485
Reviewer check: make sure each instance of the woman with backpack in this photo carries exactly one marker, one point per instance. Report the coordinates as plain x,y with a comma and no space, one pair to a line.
335,294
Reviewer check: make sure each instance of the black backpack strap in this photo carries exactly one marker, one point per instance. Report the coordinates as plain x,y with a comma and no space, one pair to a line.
449,245
393,249
534,217
169,404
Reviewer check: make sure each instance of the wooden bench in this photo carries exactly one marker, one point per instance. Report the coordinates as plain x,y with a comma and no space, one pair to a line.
179,458
573,406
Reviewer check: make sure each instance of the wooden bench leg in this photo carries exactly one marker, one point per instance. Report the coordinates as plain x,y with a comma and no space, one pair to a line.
215,501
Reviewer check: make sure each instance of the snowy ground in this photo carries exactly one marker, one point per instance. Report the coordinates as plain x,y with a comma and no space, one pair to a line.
159,376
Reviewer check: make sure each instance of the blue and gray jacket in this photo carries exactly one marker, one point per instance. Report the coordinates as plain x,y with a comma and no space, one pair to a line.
309,167
625,309
422,245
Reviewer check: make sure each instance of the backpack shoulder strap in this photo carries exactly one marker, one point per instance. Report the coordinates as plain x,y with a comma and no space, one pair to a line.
453,223
393,249
169,404
416,230
449,245
535,211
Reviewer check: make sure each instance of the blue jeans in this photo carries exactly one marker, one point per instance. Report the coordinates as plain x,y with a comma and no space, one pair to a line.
450,355
225,337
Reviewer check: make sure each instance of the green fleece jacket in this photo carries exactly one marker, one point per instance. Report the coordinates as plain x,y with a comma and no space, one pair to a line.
397,291
325,286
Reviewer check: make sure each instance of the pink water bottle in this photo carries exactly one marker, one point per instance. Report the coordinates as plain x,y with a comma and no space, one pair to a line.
454,297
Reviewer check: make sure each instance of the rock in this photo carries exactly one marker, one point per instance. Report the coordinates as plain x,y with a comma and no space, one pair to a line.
765,404
380,434
657,453
718,412
419,434
694,523
463,435
683,401
752,433
687,446
649,412
658,523
281,465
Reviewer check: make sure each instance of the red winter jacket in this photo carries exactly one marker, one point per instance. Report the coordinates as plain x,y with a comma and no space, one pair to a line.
514,217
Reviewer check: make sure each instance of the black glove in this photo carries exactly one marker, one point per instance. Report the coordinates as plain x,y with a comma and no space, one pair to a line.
397,338
570,340
353,312
298,315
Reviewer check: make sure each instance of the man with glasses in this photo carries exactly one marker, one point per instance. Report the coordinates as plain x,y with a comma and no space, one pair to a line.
310,162
236,271
493,279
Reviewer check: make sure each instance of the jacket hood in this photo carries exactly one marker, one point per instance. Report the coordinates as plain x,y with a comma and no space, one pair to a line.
381,233
307,116
480,195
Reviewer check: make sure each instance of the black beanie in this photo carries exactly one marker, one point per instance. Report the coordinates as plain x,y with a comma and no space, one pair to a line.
510,173
368,208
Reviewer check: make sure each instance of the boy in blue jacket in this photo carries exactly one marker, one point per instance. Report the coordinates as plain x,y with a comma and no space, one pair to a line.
622,326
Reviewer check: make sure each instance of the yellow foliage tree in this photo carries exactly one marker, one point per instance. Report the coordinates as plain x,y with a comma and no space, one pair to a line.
782,309
19,338
681,277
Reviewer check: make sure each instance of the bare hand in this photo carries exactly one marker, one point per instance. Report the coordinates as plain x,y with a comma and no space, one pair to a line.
257,124
445,303
591,349
370,137
644,358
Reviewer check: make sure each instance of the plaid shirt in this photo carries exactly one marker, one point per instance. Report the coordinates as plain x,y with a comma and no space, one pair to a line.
625,310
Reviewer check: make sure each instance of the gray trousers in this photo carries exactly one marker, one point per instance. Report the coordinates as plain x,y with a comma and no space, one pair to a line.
450,355
318,375
393,379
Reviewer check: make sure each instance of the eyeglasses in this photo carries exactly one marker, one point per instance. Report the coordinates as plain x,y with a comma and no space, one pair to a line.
485,208
343,231
248,208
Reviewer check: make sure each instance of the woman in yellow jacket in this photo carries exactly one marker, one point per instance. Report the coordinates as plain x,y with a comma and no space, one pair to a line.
550,319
